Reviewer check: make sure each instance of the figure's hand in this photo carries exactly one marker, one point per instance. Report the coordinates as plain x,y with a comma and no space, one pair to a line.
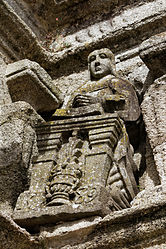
83,100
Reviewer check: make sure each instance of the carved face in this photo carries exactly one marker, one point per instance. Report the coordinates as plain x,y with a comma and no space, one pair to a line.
101,63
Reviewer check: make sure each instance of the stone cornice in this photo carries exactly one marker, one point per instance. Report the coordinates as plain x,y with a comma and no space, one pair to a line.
127,30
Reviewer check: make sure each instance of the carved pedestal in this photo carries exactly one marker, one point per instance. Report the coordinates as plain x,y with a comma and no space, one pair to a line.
69,178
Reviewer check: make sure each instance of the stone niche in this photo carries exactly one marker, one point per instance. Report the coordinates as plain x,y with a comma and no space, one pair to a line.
92,174
85,165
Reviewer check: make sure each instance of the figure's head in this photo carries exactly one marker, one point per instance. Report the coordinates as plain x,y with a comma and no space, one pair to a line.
101,63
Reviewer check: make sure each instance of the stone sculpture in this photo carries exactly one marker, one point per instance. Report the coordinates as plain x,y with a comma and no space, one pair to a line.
106,93
105,89
85,156
66,174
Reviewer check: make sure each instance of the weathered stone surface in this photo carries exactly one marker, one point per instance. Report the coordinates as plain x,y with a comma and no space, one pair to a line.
123,30
129,66
150,178
92,170
138,227
59,35
153,108
18,37
146,221
57,168
29,82
68,233
152,52
14,237
33,219
149,196
17,149
4,93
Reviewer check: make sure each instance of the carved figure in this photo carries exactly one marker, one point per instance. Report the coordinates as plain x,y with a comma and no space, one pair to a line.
107,93
85,150
106,89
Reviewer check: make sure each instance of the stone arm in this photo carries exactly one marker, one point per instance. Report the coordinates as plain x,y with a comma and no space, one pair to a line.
111,101
114,102
114,95
84,100
124,100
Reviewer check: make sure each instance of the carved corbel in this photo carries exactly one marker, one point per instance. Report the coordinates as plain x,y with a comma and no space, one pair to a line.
28,81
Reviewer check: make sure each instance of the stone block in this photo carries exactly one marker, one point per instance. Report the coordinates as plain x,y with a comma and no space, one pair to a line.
17,149
153,53
29,82
154,112
69,179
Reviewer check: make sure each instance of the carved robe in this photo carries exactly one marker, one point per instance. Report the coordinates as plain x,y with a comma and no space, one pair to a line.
112,94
